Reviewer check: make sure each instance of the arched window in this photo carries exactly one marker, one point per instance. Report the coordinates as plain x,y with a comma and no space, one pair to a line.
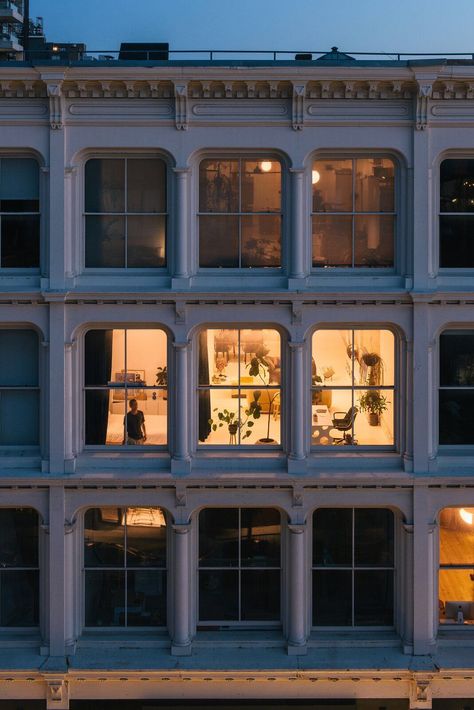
19,567
456,394
456,572
19,213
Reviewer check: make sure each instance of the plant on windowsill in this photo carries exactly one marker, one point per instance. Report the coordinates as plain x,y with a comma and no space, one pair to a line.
234,424
162,380
374,404
261,367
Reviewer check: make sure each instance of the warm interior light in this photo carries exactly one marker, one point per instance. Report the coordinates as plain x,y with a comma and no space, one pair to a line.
466,516
145,517
315,177
265,166
55,48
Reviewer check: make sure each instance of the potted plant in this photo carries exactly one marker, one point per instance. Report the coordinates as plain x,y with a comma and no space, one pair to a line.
374,403
374,364
260,367
233,422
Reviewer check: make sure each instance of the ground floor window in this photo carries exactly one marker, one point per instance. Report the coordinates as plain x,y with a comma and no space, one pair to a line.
19,567
456,574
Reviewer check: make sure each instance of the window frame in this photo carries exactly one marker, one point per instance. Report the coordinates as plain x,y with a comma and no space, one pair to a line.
446,448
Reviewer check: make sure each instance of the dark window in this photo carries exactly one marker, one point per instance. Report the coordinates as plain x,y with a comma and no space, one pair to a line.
240,213
19,388
19,570
239,565
125,567
353,567
456,223
125,213
19,213
456,394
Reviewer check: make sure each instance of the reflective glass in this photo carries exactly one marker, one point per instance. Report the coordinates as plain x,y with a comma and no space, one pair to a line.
373,241
104,537
219,595
260,537
219,186
105,185
261,186
19,183
457,359
261,241
332,598
98,355
374,185
146,185
455,585
19,598
146,598
146,242
218,241
20,241
146,537
457,185
373,598
332,185
456,409
332,537
18,358
456,237
18,537
332,358
105,242
219,537
373,537
104,598
22,427
332,240
260,595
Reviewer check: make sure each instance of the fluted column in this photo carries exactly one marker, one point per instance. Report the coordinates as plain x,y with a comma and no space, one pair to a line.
57,581
181,641
424,612
181,254
297,241
297,611
297,429
181,418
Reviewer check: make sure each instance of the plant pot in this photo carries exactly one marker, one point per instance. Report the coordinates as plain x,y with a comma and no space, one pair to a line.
374,419
233,429
266,441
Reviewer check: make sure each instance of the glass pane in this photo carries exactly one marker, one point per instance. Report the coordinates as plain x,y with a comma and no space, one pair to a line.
373,425
457,359
332,598
332,185
219,537
332,241
105,185
146,242
146,185
261,241
260,595
219,595
22,429
455,585
332,361
19,181
457,185
20,242
260,537
456,537
374,241
104,598
374,357
219,242
261,186
456,238
18,537
146,537
333,419
373,537
374,185
104,537
456,409
226,408
104,413
218,357
219,186
19,598
18,358
105,242
332,537
146,598
373,598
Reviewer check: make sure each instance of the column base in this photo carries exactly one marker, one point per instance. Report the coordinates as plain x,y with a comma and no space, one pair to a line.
181,283
181,466
182,650
297,282
70,465
424,648
297,465
297,650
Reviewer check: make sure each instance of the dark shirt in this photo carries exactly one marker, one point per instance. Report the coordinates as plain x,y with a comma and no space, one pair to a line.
134,424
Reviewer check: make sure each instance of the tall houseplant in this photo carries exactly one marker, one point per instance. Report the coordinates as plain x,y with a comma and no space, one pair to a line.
260,367
234,423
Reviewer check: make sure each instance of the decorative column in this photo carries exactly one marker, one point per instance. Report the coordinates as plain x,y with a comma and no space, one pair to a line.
424,619
181,253
69,458
297,427
181,641
297,607
297,241
57,586
56,384
423,388
181,458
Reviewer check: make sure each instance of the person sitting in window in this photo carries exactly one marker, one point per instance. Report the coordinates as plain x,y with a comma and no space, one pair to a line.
135,421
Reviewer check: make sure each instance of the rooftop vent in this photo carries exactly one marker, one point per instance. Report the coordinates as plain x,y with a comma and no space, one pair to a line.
335,56
143,51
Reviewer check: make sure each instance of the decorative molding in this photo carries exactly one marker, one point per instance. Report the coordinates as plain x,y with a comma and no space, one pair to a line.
425,91
57,694
70,526
420,693
180,495
55,104
181,106
298,496
298,106
180,313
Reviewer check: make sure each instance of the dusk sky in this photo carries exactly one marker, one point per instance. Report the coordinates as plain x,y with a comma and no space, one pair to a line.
352,25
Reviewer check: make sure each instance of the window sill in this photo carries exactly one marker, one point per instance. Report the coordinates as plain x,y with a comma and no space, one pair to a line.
124,638
353,638
241,637
120,459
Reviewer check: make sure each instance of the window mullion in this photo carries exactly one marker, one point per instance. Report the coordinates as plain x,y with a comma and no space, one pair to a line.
353,567
239,562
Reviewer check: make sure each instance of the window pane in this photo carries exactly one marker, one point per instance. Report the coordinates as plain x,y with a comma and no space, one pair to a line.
374,241
105,242
373,598
374,357
261,186
456,585
332,598
261,240
219,595
146,537
146,185
456,237
18,358
374,185
18,537
335,425
22,429
219,242
457,185
146,352
260,542
456,537
332,185
332,241
373,425
19,597
20,241
455,417
260,595
373,537
98,356
146,242
104,598
219,537
332,362
146,598
332,537
104,537
19,181
219,186
105,185
457,359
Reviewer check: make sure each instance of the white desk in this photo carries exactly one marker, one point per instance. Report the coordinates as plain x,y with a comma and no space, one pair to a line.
321,423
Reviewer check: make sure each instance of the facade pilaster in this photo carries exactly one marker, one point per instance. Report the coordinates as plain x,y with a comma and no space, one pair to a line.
423,396
297,586
423,575
181,253
297,427
181,637
181,457
58,413
297,236
57,573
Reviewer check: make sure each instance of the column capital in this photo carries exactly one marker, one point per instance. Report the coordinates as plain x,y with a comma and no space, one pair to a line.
180,528
181,170
181,344
295,345
297,171
297,528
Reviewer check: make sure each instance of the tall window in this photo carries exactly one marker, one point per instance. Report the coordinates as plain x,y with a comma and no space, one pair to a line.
239,565
456,395
353,567
353,388
125,567
240,213
19,213
239,387
125,381
456,219
456,574
125,213
19,568
353,212
19,388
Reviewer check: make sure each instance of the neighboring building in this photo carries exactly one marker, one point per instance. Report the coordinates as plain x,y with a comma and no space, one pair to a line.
266,269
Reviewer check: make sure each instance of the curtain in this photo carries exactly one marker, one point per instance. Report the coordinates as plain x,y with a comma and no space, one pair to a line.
204,395
98,366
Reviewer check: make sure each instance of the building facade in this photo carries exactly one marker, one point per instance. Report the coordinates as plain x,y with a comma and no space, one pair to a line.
236,414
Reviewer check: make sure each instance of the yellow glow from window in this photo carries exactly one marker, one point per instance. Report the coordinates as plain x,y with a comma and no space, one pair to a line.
265,166
466,516
315,177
